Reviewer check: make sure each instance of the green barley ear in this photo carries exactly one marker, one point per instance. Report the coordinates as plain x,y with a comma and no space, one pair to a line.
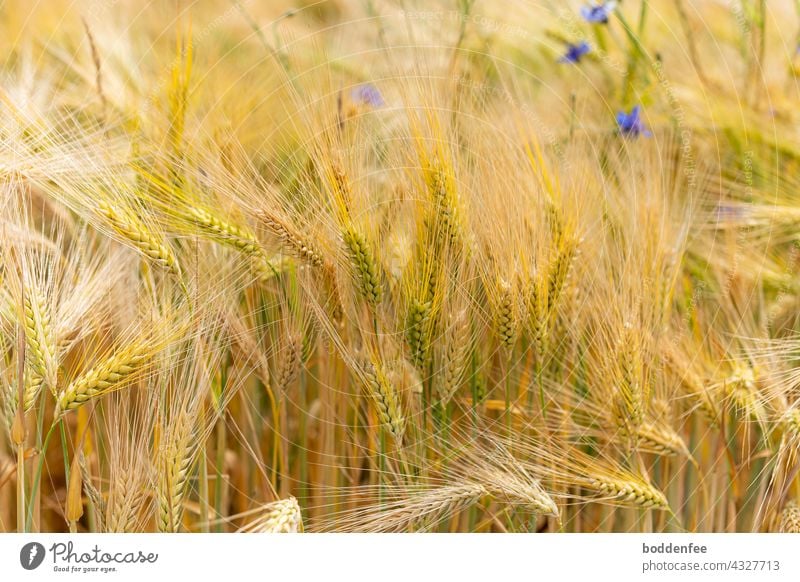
40,340
237,237
8,398
418,331
367,271
481,387
105,376
446,206
32,387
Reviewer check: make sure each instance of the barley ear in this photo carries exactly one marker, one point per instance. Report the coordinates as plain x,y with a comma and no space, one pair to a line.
282,516
790,518
365,266
386,400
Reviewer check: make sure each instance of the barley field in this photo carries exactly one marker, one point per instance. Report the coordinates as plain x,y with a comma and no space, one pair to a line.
399,266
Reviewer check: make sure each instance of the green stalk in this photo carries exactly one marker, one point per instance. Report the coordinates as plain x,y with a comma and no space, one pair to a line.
65,453
203,490
38,477
636,51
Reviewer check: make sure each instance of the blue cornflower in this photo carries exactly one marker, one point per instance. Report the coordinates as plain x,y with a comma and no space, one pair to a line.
598,13
575,52
631,123
367,95
729,212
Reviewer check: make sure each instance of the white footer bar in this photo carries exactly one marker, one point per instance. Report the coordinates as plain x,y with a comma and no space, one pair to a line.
401,557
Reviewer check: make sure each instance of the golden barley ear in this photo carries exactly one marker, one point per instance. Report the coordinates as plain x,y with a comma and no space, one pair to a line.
299,245
282,516
106,376
140,237
790,518
387,401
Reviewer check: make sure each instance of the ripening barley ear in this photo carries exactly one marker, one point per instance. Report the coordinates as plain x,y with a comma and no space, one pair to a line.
93,495
190,405
506,312
790,518
41,344
632,389
125,500
8,398
418,331
518,490
744,395
175,457
791,421
633,491
140,237
661,439
445,223
409,508
32,384
126,432
365,268
385,397
235,236
297,244
289,359
612,484
457,347
425,510
282,516
106,376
